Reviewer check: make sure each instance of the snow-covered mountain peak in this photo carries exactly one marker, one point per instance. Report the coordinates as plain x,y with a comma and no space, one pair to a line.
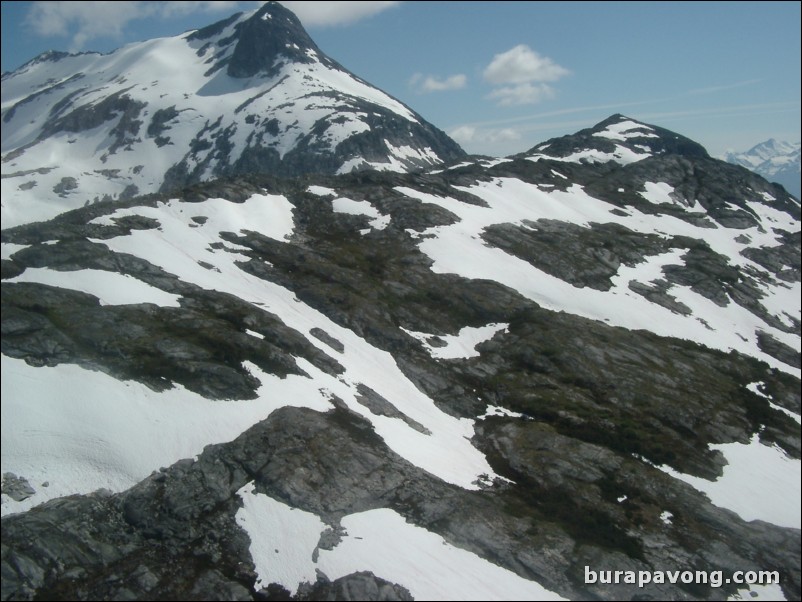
618,138
251,93
762,152
772,146
776,160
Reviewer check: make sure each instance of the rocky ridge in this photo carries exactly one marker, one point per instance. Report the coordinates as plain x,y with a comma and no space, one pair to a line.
587,424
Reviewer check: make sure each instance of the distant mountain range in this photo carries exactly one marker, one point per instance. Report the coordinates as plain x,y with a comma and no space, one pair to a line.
774,160
328,356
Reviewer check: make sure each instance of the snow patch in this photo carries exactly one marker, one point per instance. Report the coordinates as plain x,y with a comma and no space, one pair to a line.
657,192
461,345
493,162
400,159
9,248
346,83
464,164
646,272
83,430
759,483
773,218
621,154
755,388
267,214
423,562
781,299
759,593
623,130
499,411
345,205
321,191
111,288
343,127
283,539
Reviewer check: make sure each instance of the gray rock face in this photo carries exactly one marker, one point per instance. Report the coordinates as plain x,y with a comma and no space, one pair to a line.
17,488
594,408
175,533
271,33
581,256
358,586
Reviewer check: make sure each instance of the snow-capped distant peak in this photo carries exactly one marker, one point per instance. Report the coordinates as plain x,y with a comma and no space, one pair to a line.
776,160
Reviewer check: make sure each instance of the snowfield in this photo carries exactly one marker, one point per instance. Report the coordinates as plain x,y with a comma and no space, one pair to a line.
80,430
179,246
284,539
511,201
478,421
759,483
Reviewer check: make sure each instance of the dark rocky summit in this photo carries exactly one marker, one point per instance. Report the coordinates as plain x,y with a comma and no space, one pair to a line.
271,34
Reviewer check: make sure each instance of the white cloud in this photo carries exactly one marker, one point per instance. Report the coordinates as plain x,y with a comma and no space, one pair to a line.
463,134
169,9
495,142
522,94
523,71
322,14
431,83
85,21
90,19
522,65
468,134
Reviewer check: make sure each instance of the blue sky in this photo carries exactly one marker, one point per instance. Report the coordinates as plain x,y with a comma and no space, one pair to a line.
502,76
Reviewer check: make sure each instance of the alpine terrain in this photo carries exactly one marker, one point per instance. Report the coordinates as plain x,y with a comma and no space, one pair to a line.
252,93
267,334
775,160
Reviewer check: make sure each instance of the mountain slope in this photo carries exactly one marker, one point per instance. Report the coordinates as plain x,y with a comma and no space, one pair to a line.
618,139
252,93
774,160
474,381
